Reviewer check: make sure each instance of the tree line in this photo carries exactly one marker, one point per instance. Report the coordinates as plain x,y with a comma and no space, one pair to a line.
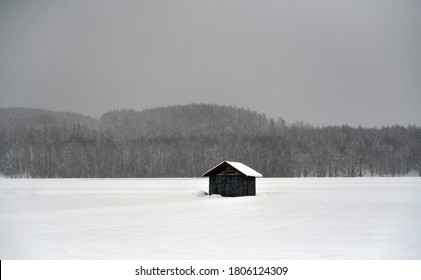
186,141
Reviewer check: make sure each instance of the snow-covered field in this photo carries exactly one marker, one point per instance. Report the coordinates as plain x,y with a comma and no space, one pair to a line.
340,218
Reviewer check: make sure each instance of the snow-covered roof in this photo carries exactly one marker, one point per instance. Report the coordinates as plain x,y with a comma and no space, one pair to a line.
239,166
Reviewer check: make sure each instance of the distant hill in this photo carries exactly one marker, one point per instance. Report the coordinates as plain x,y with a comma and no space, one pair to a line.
185,120
171,121
37,118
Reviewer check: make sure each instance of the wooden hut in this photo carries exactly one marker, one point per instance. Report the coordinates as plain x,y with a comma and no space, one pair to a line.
231,178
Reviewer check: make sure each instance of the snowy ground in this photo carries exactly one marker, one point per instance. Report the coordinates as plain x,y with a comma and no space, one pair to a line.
341,218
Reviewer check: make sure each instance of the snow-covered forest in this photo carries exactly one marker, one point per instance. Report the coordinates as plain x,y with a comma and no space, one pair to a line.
185,141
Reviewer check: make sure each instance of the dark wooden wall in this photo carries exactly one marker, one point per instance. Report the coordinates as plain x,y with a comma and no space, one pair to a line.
232,185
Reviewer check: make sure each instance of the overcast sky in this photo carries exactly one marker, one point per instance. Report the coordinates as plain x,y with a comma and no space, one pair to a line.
322,62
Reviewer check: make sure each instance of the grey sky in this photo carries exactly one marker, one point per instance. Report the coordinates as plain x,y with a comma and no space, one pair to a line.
323,62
